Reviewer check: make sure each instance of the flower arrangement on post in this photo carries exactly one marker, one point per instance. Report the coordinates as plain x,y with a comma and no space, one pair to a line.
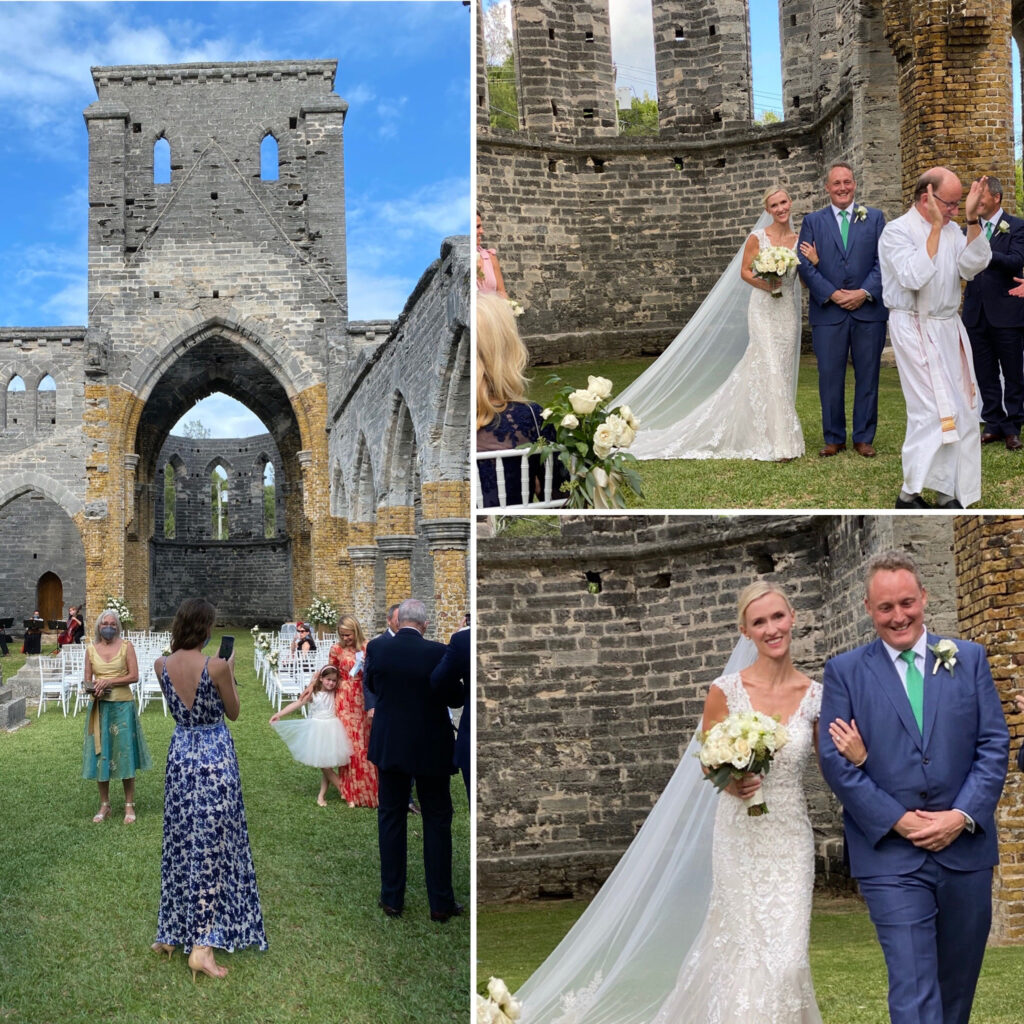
589,439
321,612
773,264
119,605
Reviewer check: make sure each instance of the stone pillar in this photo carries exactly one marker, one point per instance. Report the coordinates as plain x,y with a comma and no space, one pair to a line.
364,563
990,570
131,465
448,540
955,87
397,551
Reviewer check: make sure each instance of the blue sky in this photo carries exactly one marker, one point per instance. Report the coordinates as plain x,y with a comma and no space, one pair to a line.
403,66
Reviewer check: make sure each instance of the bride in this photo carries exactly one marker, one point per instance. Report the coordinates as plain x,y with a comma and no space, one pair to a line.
706,917
713,395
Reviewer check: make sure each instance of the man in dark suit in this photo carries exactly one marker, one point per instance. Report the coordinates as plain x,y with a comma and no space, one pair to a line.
995,322
845,309
451,680
919,810
411,739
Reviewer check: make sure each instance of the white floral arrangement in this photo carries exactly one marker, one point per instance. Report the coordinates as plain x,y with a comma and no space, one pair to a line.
945,652
321,612
498,1006
773,264
166,652
255,632
516,307
273,658
742,743
262,641
590,442
119,605
1003,227
860,212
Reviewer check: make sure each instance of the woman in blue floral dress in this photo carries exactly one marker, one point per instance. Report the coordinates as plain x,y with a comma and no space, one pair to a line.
208,894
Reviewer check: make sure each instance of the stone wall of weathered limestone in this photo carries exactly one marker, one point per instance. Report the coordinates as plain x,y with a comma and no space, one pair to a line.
586,701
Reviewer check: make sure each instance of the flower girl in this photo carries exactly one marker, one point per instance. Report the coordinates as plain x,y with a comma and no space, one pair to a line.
319,740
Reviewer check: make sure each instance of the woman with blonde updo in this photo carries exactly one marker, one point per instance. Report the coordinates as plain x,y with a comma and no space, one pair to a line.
721,391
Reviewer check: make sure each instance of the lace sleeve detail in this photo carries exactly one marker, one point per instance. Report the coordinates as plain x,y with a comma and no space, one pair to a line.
735,695
814,701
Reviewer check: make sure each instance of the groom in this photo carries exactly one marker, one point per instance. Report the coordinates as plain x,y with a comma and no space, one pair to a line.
845,309
919,810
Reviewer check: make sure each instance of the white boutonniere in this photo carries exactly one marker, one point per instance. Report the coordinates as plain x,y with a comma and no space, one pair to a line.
1003,228
860,212
945,652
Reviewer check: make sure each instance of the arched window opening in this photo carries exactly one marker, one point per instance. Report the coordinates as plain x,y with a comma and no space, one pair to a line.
269,501
16,405
170,501
46,404
219,503
161,162
17,384
268,158
47,384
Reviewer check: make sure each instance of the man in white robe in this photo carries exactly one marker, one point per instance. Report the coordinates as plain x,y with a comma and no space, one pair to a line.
923,256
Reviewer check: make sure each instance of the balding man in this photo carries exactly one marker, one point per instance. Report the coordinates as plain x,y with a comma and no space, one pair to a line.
923,258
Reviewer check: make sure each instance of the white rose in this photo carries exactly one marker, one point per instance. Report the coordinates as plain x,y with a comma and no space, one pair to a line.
604,441
600,386
498,991
584,402
569,421
617,425
545,413
513,1009
627,414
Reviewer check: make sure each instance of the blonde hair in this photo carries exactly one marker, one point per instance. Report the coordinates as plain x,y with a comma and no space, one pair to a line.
771,191
348,622
501,358
751,592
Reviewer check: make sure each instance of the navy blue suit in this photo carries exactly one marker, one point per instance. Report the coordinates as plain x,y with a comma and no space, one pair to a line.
411,738
451,679
931,910
994,322
837,333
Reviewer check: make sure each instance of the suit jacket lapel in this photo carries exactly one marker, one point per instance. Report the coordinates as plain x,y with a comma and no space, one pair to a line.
934,684
833,228
889,679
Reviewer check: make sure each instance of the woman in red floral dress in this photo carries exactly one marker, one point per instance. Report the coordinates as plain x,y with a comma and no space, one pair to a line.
359,777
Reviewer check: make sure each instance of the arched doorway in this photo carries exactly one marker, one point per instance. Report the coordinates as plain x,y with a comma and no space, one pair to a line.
50,596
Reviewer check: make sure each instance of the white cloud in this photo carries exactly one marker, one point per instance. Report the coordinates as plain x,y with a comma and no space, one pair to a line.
69,305
632,32
358,95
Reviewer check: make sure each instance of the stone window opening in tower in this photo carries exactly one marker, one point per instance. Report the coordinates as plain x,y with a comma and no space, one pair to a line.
170,501
269,162
269,501
46,403
161,161
219,506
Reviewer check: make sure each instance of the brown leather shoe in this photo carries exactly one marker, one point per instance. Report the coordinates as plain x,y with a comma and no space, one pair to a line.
989,438
832,449
864,448
1013,443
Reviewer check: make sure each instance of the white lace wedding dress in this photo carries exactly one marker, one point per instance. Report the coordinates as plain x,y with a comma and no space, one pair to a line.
750,960
752,415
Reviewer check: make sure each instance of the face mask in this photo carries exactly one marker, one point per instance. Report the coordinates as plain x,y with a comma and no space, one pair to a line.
108,632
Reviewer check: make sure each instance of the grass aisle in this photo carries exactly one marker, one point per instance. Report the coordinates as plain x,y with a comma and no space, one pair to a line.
846,480
78,901
846,961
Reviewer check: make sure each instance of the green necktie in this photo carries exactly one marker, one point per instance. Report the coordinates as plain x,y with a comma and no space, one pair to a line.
915,688
844,228
988,231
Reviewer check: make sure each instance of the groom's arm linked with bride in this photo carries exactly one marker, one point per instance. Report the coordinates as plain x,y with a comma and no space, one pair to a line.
919,813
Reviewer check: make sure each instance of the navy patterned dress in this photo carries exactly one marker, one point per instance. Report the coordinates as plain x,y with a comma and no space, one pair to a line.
208,893
518,424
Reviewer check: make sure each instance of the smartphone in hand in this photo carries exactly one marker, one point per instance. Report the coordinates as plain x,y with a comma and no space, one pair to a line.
227,645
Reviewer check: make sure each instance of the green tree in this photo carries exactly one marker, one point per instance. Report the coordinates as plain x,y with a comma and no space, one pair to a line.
640,117
170,495
269,511
196,429
501,94
769,117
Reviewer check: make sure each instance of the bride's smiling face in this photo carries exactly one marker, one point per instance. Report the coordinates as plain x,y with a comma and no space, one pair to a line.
778,204
768,622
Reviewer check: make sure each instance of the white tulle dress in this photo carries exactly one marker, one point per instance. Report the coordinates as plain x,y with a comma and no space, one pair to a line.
319,740
752,415
750,960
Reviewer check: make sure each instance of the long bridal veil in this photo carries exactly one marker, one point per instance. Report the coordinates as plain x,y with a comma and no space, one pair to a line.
620,961
702,355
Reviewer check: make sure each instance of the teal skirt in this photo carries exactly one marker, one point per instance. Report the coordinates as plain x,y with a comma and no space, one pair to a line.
123,749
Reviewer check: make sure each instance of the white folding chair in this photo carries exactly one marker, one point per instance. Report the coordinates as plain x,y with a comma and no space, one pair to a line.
509,458
148,685
72,658
51,683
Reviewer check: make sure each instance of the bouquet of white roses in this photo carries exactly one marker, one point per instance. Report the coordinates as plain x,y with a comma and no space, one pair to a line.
773,264
589,442
498,1006
742,743
124,613
321,612
262,642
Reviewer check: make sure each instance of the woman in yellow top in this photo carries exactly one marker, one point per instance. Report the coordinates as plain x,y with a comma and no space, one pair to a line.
114,747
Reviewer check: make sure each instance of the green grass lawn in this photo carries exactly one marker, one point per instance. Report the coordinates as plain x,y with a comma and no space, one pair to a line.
846,480
78,901
849,972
